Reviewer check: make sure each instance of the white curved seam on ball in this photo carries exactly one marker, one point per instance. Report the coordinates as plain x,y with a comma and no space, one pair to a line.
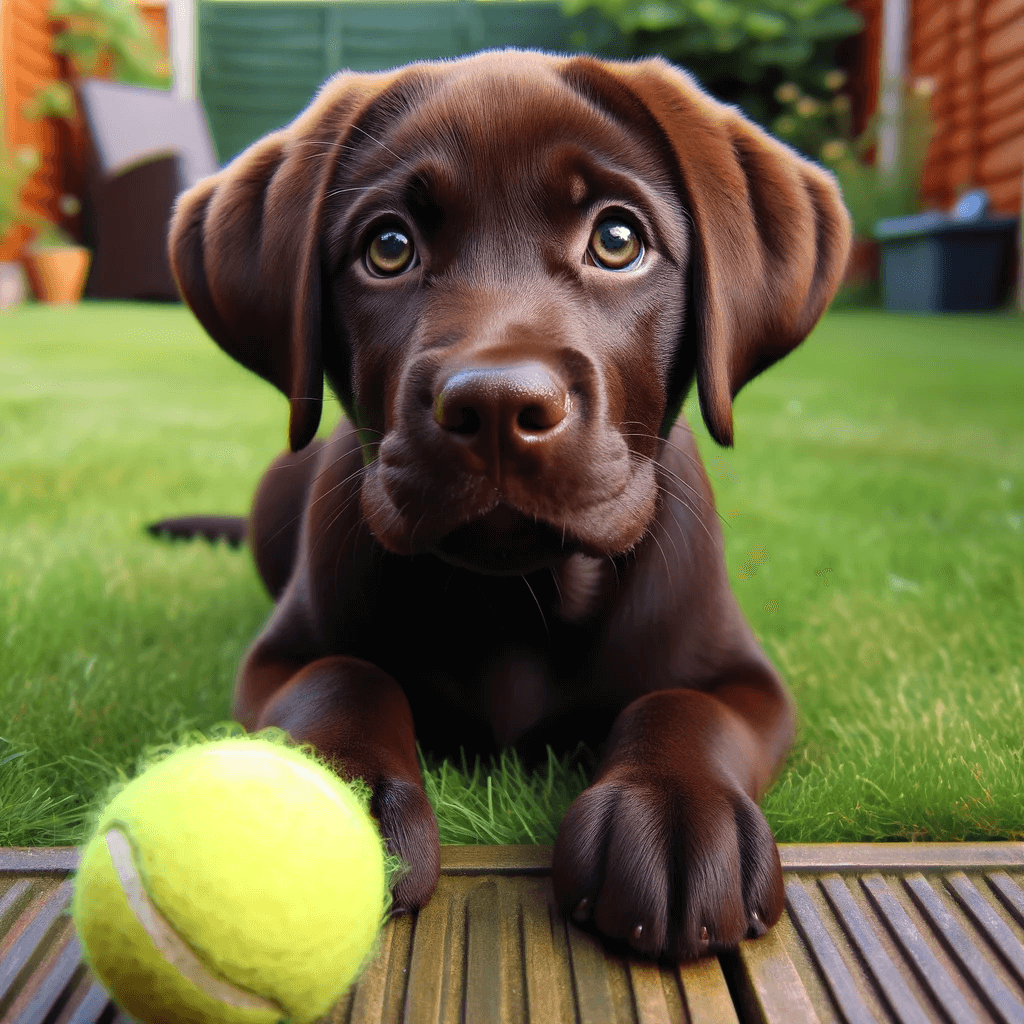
167,941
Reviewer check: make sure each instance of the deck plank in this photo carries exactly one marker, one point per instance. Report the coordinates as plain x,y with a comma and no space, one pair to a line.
882,933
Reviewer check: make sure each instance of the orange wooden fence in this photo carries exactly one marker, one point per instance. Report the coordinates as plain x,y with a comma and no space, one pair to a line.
26,64
974,49
974,52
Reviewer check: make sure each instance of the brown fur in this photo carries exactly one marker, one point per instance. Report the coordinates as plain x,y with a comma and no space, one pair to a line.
510,539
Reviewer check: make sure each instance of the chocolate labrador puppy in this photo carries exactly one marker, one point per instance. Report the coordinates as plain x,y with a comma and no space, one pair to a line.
511,268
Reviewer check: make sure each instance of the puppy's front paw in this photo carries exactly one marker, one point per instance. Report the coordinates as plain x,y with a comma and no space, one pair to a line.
406,821
676,867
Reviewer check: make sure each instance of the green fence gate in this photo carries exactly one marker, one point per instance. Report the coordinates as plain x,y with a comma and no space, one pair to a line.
261,62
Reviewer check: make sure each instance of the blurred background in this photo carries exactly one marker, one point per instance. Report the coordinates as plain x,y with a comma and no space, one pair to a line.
109,107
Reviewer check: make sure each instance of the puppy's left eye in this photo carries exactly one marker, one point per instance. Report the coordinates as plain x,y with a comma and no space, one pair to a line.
615,245
390,252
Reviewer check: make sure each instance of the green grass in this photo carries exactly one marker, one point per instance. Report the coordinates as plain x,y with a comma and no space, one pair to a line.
874,510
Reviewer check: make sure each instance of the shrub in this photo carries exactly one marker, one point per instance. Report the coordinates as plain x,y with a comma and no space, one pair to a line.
740,50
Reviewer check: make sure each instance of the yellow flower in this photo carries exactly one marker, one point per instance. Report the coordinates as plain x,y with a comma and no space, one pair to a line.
806,106
27,157
785,126
69,205
787,92
840,104
834,80
833,151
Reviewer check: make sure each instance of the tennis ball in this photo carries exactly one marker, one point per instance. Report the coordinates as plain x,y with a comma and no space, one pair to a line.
234,882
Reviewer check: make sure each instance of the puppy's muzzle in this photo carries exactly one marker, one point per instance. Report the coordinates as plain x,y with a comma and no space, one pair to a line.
502,460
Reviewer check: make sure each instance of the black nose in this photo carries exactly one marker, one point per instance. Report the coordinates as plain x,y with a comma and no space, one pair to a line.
501,410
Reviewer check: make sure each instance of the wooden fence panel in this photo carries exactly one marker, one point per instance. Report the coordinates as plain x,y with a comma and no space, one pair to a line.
26,64
974,51
261,63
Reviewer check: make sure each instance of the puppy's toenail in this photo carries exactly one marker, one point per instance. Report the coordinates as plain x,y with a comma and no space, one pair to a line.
703,934
582,911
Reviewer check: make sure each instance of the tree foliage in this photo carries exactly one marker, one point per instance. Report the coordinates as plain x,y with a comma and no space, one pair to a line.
740,50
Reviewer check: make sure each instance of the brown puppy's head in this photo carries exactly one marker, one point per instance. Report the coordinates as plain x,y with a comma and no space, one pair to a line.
510,269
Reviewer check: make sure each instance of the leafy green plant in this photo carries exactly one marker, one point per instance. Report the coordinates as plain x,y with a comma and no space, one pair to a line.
16,167
870,194
53,100
90,30
741,50
53,236
94,28
810,122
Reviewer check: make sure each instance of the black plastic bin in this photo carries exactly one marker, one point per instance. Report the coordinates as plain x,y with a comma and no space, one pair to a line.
936,263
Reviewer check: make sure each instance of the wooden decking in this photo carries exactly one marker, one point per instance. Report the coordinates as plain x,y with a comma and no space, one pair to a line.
872,933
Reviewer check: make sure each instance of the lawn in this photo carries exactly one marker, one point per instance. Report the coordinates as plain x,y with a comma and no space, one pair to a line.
874,519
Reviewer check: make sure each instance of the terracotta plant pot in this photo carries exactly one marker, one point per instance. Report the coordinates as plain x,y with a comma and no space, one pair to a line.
58,275
12,285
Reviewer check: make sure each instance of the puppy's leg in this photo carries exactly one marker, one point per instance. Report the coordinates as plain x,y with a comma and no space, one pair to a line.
667,848
357,716
276,515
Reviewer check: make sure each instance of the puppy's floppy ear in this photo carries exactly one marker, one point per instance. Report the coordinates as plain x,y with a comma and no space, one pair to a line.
772,236
245,249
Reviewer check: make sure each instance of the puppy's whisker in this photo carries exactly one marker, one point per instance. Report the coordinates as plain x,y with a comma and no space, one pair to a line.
412,533
326,443
668,534
664,440
533,594
326,146
685,502
340,483
662,489
387,149
358,524
294,519
650,458
342,191
554,579
345,505
679,480
615,569
668,568
327,527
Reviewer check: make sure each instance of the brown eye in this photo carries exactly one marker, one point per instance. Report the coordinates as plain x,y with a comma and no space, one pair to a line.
390,252
615,245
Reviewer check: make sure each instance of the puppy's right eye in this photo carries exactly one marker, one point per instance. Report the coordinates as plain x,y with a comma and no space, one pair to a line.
390,252
615,245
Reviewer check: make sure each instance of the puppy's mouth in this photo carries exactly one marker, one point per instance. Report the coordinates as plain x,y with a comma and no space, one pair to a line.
505,542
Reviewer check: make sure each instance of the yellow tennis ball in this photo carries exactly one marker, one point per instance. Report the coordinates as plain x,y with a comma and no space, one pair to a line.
235,882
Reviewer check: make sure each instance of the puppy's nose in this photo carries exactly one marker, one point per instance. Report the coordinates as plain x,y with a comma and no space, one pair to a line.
501,410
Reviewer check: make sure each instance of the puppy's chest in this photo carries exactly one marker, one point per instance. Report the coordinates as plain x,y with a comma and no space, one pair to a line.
479,650
507,653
